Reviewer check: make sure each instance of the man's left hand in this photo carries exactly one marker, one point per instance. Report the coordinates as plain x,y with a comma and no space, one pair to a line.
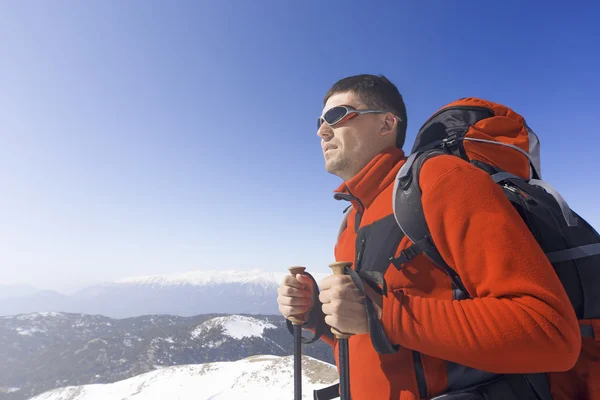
344,305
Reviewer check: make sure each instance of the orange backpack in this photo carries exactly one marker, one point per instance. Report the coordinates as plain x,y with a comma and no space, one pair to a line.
499,141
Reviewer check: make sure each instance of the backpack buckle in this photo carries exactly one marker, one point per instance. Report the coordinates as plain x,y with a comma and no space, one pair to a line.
405,256
410,252
450,141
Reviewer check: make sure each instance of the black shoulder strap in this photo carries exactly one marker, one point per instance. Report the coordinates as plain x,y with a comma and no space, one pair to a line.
380,342
408,211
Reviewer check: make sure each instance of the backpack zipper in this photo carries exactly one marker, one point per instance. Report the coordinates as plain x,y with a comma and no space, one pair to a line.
468,108
527,219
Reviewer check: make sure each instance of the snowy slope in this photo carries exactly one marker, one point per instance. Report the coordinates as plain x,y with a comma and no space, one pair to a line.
258,377
234,326
44,351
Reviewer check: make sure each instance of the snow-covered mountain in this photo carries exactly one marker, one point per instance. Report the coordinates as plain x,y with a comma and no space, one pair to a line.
43,351
186,294
207,278
258,377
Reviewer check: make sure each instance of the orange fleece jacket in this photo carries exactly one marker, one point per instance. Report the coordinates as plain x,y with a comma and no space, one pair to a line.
520,318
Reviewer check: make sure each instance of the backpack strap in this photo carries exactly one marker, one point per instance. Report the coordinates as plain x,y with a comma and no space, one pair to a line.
409,215
379,340
574,253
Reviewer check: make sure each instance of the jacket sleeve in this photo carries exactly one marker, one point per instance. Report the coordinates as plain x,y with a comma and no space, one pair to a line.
519,318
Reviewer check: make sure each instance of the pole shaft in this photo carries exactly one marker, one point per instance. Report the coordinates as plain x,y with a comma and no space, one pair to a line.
297,362
297,324
344,370
342,338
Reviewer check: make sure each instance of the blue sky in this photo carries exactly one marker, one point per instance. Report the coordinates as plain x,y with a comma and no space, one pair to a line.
159,137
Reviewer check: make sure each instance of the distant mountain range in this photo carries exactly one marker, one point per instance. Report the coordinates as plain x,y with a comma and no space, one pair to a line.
45,351
257,377
187,294
8,291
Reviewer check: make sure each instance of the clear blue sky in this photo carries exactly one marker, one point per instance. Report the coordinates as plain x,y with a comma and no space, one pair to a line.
147,137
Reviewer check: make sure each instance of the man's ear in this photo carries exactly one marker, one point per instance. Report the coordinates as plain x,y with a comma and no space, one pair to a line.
388,125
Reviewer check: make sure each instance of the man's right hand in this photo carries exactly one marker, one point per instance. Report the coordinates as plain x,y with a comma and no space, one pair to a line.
296,296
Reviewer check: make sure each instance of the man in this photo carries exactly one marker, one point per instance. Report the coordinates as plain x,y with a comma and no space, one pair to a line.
519,319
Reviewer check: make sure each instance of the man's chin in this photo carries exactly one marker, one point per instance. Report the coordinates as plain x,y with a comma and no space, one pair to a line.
332,167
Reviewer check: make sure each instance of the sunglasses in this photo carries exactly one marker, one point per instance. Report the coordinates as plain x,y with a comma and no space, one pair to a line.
338,114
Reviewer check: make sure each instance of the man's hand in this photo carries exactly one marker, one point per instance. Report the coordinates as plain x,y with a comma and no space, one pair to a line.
296,296
344,305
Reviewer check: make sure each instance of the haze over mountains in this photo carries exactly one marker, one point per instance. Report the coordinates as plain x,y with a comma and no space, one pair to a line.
186,294
9,291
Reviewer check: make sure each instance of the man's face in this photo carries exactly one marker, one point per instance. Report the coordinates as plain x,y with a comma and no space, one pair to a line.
349,145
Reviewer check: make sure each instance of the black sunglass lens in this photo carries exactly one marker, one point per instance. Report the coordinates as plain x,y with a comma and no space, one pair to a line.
334,114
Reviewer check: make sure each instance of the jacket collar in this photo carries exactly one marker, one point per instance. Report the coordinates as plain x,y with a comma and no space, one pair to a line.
377,175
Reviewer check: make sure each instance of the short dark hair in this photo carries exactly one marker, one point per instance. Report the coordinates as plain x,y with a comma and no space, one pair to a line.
375,92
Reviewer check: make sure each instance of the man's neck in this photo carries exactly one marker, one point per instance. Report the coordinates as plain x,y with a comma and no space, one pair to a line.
374,177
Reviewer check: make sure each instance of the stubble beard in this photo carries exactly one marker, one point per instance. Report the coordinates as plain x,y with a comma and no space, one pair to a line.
337,165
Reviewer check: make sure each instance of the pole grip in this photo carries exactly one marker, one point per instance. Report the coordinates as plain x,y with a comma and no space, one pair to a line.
338,268
294,271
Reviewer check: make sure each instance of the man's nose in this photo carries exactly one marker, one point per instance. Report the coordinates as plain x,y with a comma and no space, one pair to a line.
325,132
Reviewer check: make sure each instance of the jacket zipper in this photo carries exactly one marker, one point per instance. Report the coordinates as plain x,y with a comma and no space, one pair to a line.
420,374
359,210
363,243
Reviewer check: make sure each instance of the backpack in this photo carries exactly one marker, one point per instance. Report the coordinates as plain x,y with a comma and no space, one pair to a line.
496,139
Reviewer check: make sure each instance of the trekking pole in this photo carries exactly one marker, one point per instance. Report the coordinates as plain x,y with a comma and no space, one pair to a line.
297,323
338,269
